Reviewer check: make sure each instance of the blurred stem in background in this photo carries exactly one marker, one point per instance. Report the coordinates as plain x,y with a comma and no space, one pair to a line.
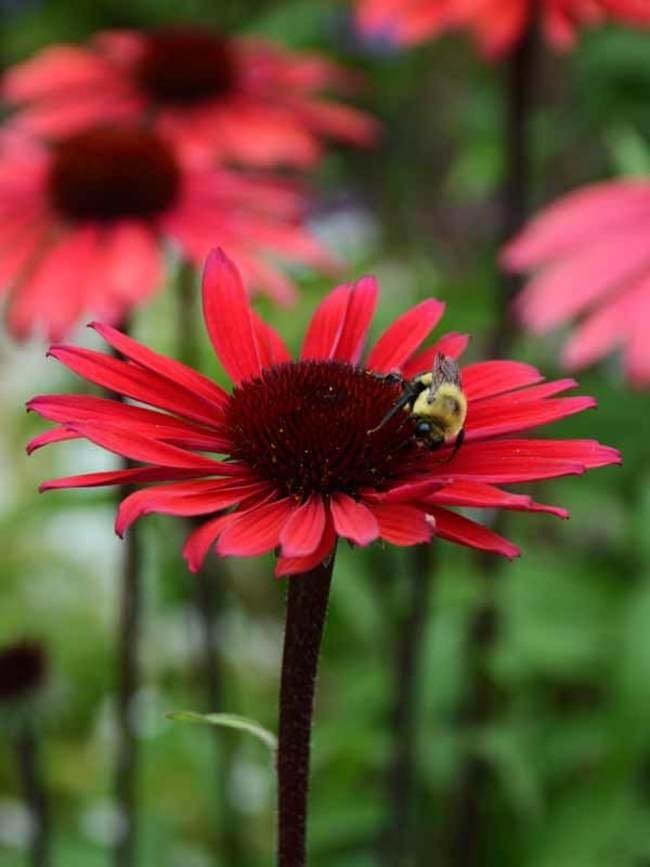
307,599
28,761
397,842
208,603
128,675
468,817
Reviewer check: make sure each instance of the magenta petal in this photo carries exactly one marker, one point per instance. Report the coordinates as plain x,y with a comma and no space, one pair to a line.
326,326
353,520
488,378
360,310
198,497
402,524
256,530
403,337
119,477
125,442
135,382
227,318
200,541
163,366
57,435
461,530
452,345
298,565
302,533
476,495
270,345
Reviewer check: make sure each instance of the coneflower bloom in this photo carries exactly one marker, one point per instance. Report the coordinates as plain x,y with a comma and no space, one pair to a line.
590,254
496,24
82,221
289,460
240,99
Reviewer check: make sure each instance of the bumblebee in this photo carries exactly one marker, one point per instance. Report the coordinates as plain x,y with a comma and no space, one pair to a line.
436,402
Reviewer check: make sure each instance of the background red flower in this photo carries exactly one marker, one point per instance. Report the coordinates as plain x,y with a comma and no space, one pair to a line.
495,24
239,99
590,254
84,225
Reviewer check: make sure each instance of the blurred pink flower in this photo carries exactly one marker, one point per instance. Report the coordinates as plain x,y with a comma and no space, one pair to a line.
82,225
239,99
591,252
495,24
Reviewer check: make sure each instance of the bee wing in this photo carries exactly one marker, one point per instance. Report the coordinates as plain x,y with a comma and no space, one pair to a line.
444,370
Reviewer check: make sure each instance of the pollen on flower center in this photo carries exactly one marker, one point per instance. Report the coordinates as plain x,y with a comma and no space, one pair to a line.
304,426
185,65
106,174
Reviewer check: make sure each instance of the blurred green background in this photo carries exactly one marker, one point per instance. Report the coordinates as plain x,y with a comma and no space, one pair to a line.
565,747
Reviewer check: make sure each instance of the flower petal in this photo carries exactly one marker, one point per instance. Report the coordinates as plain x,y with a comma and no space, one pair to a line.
476,495
270,345
502,416
128,444
452,345
456,528
119,477
361,309
525,460
198,497
488,378
299,565
135,382
68,408
255,531
402,338
340,324
200,541
575,219
166,367
326,326
353,520
402,524
303,531
227,318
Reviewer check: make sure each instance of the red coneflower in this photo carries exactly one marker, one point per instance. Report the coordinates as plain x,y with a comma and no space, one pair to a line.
592,251
81,225
301,464
496,24
241,99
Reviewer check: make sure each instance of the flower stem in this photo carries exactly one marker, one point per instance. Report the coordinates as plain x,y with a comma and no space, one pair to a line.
520,75
28,761
128,647
397,844
306,609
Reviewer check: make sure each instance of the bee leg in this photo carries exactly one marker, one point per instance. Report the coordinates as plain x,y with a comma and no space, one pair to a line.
460,438
409,393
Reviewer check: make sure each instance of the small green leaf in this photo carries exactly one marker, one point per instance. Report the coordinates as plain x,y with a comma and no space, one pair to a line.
230,721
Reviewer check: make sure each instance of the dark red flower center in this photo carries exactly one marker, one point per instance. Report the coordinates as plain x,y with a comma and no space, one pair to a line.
22,670
305,426
186,65
106,174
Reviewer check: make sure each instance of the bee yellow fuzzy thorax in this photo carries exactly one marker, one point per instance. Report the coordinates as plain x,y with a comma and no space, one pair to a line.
446,408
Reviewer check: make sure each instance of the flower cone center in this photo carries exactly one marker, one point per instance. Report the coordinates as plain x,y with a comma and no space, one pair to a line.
186,65
108,174
305,426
